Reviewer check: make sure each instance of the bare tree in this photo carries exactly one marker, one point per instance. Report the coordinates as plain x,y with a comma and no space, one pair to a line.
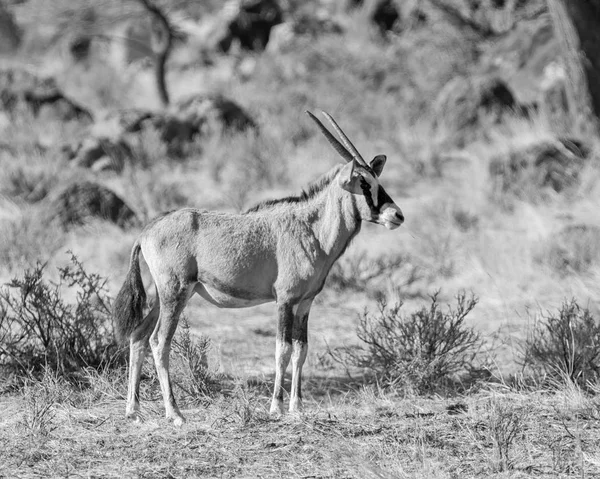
162,41
577,25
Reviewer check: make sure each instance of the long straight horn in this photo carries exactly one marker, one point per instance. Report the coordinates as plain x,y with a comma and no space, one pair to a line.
337,146
345,140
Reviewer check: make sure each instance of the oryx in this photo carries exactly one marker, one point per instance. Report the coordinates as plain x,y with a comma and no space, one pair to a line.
279,250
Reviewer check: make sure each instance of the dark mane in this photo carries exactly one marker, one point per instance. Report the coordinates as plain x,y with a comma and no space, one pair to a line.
312,190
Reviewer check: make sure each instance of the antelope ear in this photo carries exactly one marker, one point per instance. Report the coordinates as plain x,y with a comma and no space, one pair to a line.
347,179
378,163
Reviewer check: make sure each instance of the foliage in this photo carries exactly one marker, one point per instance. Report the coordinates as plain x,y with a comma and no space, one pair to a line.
360,272
41,330
539,170
420,350
196,378
565,344
27,237
40,397
504,422
573,250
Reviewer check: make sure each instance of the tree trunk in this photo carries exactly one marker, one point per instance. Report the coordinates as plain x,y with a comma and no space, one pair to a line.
577,26
162,41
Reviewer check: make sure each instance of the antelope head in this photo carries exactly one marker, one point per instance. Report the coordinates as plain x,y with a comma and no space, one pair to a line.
362,179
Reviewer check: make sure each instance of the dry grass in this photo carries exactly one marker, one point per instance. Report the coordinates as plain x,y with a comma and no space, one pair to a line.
355,433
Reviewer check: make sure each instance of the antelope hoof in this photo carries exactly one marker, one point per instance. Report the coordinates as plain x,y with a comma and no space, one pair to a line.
276,408
296,406
176,418
133,416
178,421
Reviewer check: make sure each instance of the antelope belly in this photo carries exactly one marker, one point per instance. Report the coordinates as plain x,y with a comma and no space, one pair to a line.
230,299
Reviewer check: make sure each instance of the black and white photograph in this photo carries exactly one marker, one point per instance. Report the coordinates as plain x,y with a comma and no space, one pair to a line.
300,238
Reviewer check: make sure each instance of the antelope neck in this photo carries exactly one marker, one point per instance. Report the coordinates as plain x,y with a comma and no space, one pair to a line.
336,221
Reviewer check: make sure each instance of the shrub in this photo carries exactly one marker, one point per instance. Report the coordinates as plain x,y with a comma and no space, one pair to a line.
538,171
504,422
243,164
40,330
565,344
26,183
40,411
423,349
27,237
195,377
358,272
80,201
573,250
463,100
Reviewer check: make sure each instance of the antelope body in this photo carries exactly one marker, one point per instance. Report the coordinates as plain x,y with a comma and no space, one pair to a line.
279,250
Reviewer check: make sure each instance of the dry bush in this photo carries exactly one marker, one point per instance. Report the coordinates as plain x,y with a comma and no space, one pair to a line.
565,344
462,102
105,383
488,19
196,378
40,413
504,423
31,171
157,182
358,273
24,183
440,240
329,70
539,170
429,58
41,395
150,149
102,84
40,330
241,408
164,190
419,351
574,250
244,163
80,201
27,238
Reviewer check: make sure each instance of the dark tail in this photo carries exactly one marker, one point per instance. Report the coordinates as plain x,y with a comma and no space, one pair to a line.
129,303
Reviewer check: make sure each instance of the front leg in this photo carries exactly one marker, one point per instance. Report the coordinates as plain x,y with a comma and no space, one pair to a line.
283,352
299,351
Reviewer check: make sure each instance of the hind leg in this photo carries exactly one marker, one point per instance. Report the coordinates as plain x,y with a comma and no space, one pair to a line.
138,348
172,302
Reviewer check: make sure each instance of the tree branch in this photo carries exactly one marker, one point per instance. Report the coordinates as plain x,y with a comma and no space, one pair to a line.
162,41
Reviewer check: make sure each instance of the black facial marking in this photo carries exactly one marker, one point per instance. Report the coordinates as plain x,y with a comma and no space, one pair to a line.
366,188
382,197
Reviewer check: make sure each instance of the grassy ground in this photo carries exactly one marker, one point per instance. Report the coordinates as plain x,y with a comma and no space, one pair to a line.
347,431
517,244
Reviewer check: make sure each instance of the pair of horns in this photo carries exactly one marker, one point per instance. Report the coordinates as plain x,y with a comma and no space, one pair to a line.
347,150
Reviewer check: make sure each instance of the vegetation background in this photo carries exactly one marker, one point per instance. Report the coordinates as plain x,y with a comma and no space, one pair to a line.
490,366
